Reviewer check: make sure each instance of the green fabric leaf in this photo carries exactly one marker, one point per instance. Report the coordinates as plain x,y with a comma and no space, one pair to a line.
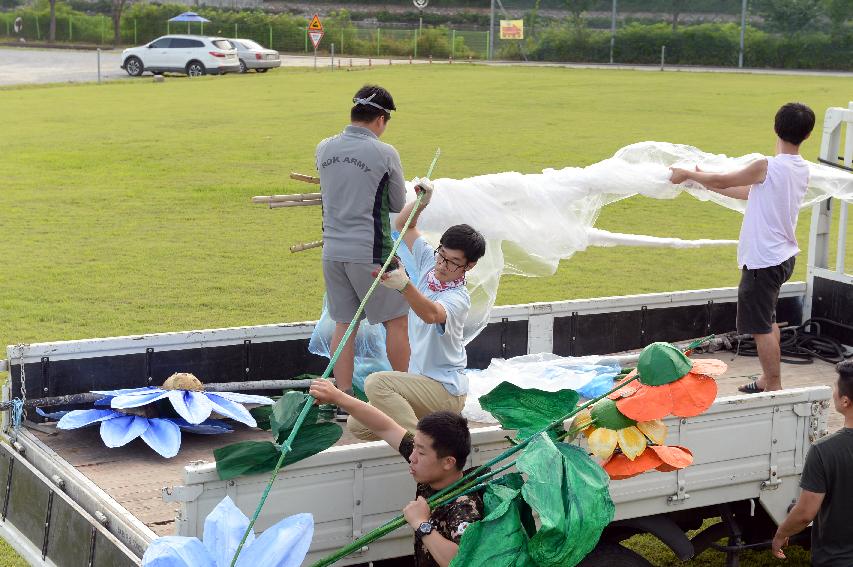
253,457
570,494
527,409
499,539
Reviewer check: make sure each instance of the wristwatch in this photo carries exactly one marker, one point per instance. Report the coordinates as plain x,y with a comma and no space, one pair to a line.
424,529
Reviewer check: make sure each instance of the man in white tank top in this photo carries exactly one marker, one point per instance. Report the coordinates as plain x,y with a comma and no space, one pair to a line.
773,188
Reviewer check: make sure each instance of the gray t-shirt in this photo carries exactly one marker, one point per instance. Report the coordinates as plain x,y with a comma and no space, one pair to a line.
828,470
361,180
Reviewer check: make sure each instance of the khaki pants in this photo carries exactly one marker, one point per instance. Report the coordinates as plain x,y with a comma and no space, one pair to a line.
405,398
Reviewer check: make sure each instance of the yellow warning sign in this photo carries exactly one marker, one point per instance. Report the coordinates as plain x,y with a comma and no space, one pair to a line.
315,24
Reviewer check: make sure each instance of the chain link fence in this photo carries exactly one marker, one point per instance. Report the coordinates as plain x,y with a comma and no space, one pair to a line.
686,32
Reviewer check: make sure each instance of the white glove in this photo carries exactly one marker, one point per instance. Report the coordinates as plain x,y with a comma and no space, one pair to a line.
424,185
395,279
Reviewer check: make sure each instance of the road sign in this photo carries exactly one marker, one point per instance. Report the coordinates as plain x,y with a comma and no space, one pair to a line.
316,36
512,29
315,24
420,4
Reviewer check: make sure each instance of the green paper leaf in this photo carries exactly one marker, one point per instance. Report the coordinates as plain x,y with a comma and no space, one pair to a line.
245,457
605,414
570,494
253,457
662,363
287,409
527,409
499,539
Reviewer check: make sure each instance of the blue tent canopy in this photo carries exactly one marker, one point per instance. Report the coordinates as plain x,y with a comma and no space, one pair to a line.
189,17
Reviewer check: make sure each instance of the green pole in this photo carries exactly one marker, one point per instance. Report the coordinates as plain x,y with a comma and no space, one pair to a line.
102,30
70,36
271,36
167,28
415,35
188,28
235,31
378,39
38,31
202,28
453,44
342,40
306,40
134,32
8,33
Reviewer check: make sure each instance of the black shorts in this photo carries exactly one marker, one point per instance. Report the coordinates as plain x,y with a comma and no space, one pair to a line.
757,295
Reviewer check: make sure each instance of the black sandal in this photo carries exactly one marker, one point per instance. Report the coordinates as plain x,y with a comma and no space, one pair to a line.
751,388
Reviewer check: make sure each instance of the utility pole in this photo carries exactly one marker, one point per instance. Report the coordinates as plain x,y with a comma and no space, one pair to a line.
742,31
613,31
492,33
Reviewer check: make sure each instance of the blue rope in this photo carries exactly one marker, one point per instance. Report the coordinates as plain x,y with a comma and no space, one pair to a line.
17,413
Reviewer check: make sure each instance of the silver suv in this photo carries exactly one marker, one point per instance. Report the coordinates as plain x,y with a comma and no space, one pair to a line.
194,55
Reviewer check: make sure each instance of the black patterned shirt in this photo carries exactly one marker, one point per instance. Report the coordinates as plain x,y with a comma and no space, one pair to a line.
450,520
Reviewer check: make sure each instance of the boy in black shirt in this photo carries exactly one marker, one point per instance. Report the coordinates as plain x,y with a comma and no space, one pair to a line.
436,454
827,496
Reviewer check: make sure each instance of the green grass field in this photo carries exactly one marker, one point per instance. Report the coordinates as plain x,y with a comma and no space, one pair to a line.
125,206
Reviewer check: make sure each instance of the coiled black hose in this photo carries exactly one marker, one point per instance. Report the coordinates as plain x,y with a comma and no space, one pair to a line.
801,344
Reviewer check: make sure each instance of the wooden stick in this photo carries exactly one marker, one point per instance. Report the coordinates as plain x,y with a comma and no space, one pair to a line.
306,246
283,198
88,397
305,178
278,205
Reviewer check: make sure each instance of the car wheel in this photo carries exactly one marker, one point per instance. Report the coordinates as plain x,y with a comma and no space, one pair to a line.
195,69
243,67
134,66
261,70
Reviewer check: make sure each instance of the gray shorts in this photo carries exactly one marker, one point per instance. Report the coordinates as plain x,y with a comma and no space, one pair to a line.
347,284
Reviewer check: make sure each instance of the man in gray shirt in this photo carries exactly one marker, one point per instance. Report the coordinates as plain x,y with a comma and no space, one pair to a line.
361,181
827,495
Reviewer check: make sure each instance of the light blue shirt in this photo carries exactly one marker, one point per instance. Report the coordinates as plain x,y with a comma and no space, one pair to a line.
437,349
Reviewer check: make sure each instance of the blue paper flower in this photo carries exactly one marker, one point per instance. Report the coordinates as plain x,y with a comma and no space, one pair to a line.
193,406
283,545
119,429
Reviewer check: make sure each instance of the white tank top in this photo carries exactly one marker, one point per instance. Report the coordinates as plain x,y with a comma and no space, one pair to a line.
767,235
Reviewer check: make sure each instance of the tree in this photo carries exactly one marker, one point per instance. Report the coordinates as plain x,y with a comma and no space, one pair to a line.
577,8
117,8
790,16
52,33
838,12
677,9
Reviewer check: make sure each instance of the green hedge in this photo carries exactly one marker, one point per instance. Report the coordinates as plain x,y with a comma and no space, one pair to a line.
705,44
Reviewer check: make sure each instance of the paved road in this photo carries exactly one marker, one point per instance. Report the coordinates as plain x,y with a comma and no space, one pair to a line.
20,66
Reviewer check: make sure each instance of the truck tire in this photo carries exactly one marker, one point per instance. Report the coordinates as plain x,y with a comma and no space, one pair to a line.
613,555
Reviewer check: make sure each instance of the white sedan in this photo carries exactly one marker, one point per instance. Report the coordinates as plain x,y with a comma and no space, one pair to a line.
253,55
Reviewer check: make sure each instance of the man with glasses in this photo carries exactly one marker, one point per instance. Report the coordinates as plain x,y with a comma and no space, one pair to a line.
361,181
439,305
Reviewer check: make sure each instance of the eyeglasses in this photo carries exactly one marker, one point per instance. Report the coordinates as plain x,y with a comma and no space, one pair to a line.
449,264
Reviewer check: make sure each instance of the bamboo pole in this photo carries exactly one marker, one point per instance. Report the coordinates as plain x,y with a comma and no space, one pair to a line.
88,397
306,246
287,198
308,203
304,178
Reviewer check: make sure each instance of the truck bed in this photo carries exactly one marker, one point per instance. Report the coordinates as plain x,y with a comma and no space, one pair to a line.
134,476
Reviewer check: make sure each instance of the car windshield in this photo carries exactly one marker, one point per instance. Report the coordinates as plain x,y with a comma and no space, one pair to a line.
222,43
251,44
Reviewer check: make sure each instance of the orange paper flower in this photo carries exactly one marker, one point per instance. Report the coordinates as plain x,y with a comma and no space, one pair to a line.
664,458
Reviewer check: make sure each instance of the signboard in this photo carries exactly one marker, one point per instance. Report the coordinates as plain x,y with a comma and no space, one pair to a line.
420,4
316,36
315,24
512,29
